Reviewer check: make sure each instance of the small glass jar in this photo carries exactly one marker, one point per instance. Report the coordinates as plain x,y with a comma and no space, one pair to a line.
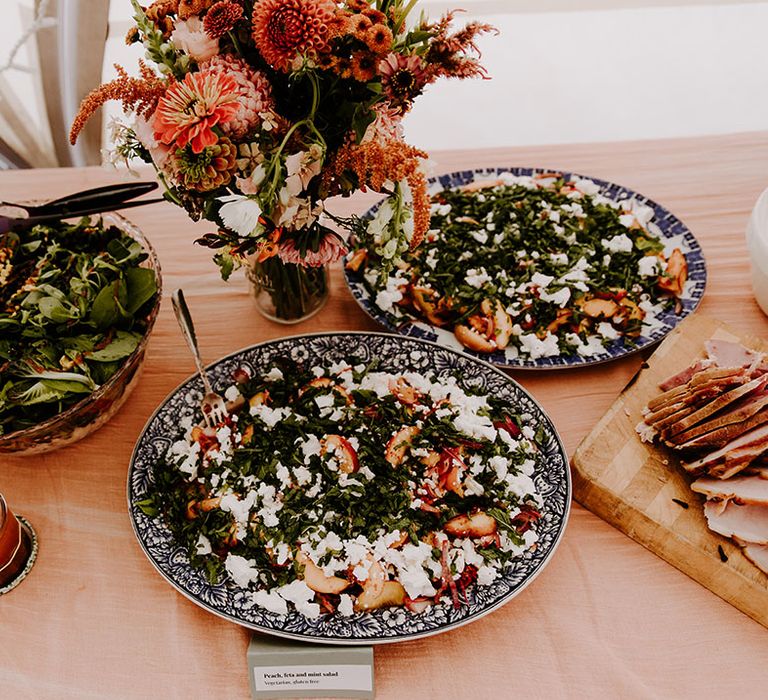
757,245
288,293
18,547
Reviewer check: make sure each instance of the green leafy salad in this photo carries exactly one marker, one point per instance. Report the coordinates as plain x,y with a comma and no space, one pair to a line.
538,266
345,489
74,304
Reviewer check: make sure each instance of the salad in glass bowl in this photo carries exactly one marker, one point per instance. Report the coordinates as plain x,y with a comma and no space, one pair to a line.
77,303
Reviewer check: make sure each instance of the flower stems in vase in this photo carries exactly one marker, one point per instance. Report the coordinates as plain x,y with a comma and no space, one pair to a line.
287,292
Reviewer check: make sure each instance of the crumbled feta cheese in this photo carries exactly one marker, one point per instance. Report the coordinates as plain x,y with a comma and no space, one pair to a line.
203,545
345,607
480,236
560,297
241,570
273,375
618,244
232,393
532,345
540,280
648,266
607,331
477,278
270,601
298,593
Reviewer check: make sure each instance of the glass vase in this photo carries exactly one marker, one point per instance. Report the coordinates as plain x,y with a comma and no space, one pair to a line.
286,292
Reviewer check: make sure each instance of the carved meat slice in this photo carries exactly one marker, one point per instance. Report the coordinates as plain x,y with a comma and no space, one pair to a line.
740,489
721,462
729,354
758,470
742,410
718,404
706,435
747,522
757,554
697,378
682,378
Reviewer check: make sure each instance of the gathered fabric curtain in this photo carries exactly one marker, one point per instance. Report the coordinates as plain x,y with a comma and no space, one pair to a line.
55,61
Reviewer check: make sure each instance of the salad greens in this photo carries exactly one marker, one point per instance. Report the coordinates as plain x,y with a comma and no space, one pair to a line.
561,268
74,303
324,477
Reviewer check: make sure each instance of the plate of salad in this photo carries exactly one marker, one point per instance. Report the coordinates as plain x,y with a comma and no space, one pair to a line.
532,269
78,300
364,488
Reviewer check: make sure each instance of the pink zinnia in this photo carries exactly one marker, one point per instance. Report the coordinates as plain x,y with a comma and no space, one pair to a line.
402,77
330,250
189,110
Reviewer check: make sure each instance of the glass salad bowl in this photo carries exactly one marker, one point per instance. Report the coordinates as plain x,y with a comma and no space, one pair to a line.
97,407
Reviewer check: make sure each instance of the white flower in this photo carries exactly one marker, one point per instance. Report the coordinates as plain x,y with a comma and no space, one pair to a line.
302,167
240,214
191,38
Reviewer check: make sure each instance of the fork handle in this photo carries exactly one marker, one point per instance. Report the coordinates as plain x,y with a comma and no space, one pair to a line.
184,318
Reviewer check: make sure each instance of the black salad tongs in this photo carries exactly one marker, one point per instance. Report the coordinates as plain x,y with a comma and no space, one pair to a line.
93,201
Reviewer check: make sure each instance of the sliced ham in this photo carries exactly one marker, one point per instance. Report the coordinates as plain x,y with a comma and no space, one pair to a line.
754,442
682,378
707,435
740,489
718,404
757,470
726,353
748,522
757,554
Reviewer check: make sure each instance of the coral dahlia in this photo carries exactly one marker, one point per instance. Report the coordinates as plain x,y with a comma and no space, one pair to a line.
284,29
253,93
189,110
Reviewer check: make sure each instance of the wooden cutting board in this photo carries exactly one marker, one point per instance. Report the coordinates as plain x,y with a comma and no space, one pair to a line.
632,484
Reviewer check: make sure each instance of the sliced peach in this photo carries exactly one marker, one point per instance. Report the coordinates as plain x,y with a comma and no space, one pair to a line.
210,504
341,448
192,510
418,605
563,318
433,309
676,273
404,392
399,444
260,398
473,339
477,525
357,259
392,594
502,323
247,435
600,308
317,580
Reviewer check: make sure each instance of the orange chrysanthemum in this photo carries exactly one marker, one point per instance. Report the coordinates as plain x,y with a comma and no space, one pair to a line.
139,94
364,66
379,39
284,29
189,110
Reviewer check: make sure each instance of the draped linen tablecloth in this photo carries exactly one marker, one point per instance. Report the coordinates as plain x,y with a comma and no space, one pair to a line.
605,619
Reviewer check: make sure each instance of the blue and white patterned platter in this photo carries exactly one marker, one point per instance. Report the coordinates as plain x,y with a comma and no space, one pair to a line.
672,231
395,353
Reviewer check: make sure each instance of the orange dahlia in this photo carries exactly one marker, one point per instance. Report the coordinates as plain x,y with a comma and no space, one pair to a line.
284,29
189,110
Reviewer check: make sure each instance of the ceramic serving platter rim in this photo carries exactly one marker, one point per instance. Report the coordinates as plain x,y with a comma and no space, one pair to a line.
408,328
486,366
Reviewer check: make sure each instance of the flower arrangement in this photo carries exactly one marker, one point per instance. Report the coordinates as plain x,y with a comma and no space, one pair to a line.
258,111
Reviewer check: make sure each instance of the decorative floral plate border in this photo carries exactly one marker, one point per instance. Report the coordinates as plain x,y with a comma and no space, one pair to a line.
668,227
552,478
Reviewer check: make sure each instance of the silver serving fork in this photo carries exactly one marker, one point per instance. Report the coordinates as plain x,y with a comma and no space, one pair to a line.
213,405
